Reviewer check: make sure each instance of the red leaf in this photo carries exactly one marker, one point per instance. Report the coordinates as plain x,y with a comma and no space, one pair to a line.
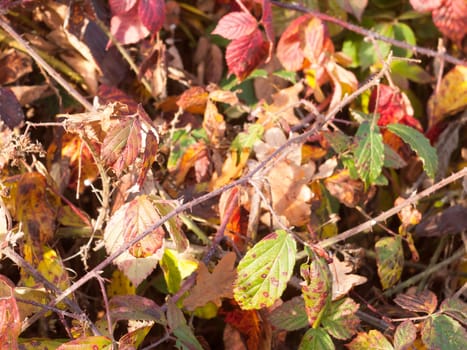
235,25
10,324
289,48
119,7
245,54
122,144
451,19
152,14
128,28
393,107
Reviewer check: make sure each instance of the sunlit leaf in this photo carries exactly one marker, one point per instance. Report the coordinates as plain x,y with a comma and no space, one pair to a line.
390,260
176,267
126,223
450,98
419,144
245,54
264,271
127,27
248,323
135,338
234,25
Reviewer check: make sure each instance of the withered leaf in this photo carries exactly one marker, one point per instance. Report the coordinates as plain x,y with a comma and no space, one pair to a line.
211,287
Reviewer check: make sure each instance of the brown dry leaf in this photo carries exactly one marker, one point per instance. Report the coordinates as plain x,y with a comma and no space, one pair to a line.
11,112
348,191
214,124
409,215
425,301
451,96
36,208
287,179
193,100
209,62
342,278
194,156
231,169
211,287
13,65
450,221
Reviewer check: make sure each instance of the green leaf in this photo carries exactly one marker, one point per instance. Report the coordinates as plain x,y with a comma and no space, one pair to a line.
443,332
185,339
340,321
286,75
316,338
369,153
248,139
290,316
411,71
176,267
317,289
371,340
390,260
403,33
419,144
367,54
455,308
405,335
264,271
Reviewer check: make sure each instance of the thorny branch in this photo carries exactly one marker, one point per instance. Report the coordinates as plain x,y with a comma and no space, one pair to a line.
242,181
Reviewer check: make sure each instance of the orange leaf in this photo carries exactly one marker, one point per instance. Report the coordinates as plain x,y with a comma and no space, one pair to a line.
348,191
193,100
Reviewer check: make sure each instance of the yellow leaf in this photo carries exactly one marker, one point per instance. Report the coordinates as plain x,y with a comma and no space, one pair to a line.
451,97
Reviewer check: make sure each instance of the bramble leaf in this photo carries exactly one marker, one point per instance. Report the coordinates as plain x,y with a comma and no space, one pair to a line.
369,152
371,340
264,271
243,55
390,260
419,144
316,338
443,332
234,25
405,335
152,14
340,320
316,289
